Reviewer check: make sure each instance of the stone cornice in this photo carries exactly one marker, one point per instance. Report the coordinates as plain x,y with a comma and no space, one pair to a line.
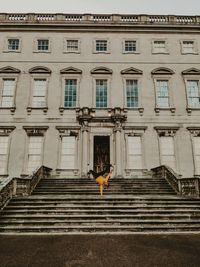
104,21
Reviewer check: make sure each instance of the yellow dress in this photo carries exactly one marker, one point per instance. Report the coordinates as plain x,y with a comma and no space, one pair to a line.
102,181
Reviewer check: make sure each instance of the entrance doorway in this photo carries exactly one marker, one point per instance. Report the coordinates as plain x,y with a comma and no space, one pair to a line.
101,152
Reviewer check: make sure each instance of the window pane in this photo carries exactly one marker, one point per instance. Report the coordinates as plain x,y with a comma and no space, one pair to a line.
101,93
167,151
162,93
134,152
101,45
132,93
68,152
43,45
8,93
72,45
130,46
3,153
39,93
70,93
34,152
193,94
160,46
13,44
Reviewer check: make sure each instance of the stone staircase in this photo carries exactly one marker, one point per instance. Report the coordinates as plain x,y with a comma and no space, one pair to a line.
74,206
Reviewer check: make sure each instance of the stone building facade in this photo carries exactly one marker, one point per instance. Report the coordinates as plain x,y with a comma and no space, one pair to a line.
81,91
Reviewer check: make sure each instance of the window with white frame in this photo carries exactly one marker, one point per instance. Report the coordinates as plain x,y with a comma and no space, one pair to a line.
159,46
39,93
3,153
188,47
193,93
70,93
34,153
68,151
130,46
101,46
134,146
132,97
162,93
72,45
196,145
167,151
101,93
13,44
8,92
42,45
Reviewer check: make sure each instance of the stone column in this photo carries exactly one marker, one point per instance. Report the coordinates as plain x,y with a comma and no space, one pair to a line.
84,151
118,152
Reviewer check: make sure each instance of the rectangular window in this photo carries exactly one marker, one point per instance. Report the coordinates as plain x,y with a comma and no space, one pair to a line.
132,93
159,46
193,94
134,152
13,44
188,47
39,93
3,153
72,45
68,152
130,46
162,93
167,151
34,153
101,45
196,144
101,93
43,45
70,93
8,92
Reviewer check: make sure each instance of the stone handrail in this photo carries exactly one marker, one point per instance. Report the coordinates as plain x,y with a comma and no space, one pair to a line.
21,186
98,18
183,186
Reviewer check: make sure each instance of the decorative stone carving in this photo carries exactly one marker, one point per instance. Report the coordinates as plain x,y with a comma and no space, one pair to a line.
40,69
131,71
195,131
71,70
162,71
6,130
68,131
166,131
9,69
35,130
101,70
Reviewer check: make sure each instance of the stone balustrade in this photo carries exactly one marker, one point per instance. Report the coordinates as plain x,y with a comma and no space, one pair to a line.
21,186
98,18
189,187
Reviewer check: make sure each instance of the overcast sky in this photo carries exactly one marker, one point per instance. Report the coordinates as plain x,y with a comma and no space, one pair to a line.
182,7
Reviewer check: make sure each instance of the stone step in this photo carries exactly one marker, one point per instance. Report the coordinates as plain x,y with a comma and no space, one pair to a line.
103,228
111,222
101,211
100,206
86,217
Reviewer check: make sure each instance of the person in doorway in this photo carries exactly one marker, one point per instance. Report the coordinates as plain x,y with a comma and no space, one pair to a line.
102,177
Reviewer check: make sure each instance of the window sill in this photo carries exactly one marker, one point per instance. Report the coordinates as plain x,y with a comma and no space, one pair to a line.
139,109
44,52
12,109
158,109
136,52
190,109
71,52
101,52
164,53
29,109
12,51
189,53
62,109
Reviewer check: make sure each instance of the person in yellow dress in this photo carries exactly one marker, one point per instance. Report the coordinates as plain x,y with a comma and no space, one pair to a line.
101,179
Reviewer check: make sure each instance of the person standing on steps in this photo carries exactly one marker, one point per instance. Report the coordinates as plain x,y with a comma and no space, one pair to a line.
100,179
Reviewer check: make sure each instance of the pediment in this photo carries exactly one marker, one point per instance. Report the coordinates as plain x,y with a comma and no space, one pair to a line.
71,70
132,71
9,69
191,71
162,71
40,69
101,70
